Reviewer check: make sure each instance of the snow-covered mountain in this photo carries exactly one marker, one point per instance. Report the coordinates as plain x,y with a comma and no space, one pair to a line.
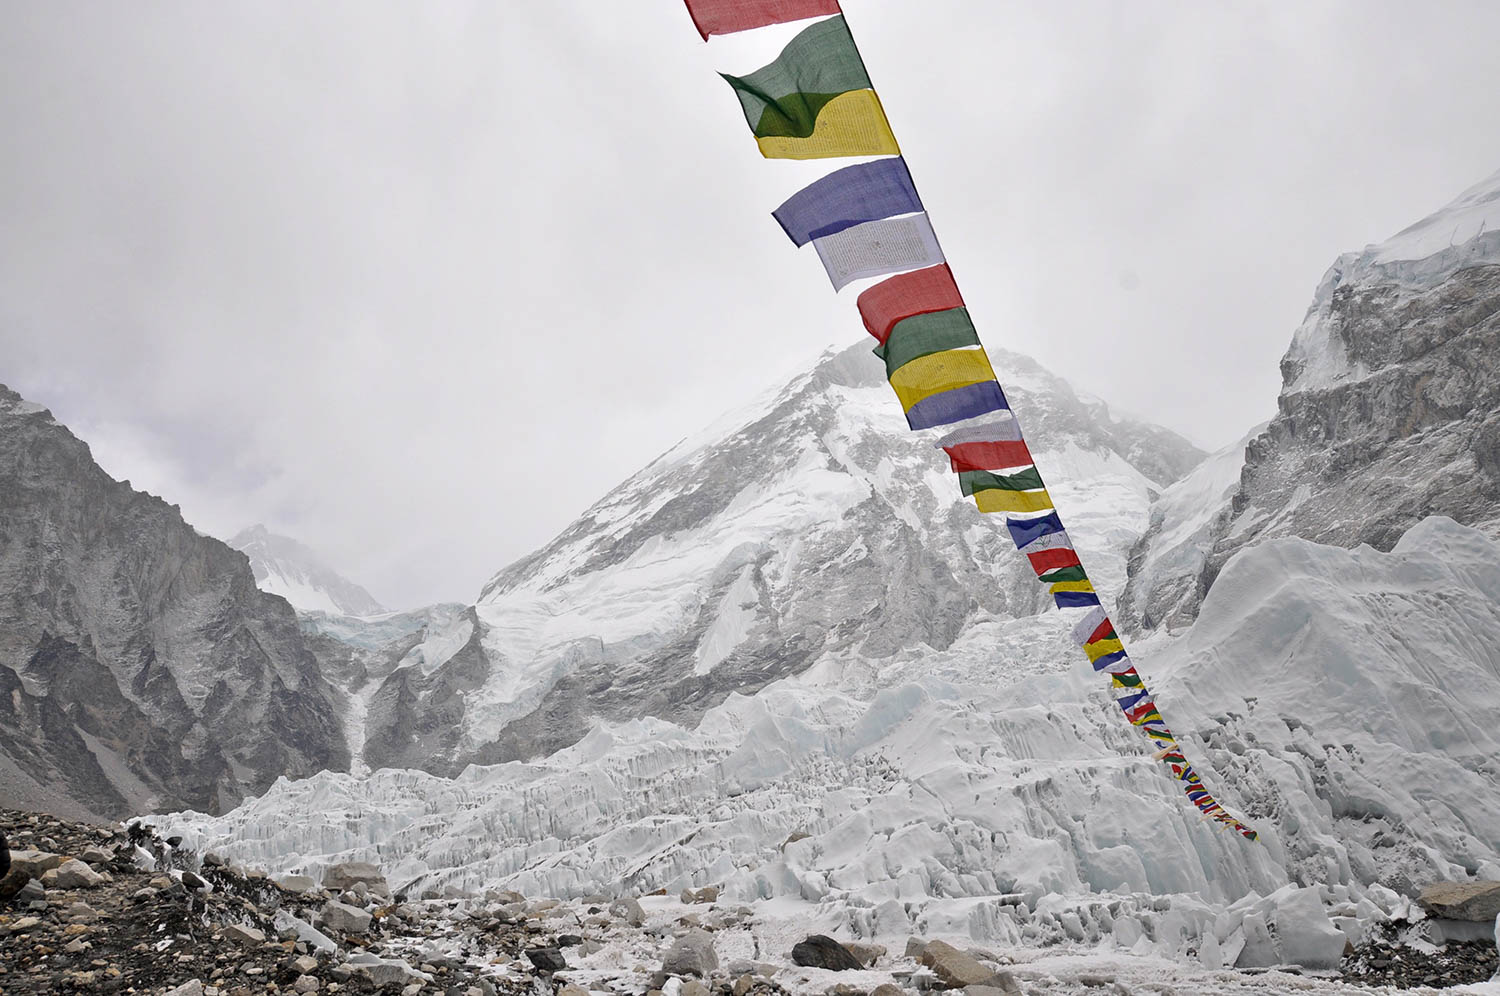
810,525
285,567
1389,412
139,666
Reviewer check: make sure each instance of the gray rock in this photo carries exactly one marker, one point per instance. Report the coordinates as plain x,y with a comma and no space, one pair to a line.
295,884
345,876
691,954
34,863
1476,901
192,987
1000,984
629,910
96,856
306,984
344,918
547,959
305,932
72,874
915,946
954,967
887,989
866,954
244,934
303,964
383,971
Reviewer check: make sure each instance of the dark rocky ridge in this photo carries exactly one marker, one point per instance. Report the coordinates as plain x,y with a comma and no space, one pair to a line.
140,667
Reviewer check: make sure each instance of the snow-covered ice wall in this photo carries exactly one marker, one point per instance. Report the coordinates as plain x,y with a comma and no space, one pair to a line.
1343,700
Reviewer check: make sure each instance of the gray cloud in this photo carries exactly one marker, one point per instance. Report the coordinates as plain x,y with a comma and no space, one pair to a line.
417,283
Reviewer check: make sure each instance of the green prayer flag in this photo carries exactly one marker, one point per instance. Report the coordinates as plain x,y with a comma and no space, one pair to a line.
783,98
987,480
921,335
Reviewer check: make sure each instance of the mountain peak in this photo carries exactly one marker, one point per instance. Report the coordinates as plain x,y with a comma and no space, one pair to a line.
285,567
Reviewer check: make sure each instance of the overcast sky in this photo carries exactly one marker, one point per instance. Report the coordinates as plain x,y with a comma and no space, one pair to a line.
417,283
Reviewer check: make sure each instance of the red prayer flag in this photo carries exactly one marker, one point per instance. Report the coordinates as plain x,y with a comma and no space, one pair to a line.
725,17
1051,560
1105,628
992,455
905,295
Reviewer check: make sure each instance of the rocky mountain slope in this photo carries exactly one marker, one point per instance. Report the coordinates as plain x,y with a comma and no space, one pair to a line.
1389,409
810,525
140,667
284,567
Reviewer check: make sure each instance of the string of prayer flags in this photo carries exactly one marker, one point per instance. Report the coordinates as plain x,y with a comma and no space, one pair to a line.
815,101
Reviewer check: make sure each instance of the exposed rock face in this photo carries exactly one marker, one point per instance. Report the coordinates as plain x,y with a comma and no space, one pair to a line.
140,668
810,524
1389,412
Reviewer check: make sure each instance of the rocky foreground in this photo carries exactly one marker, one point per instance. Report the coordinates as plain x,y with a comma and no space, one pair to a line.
102,909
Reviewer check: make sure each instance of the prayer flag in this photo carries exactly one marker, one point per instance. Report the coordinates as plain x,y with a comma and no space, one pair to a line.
970,481
848,197
1004,428
992,455
924,377
815,100
996,500
923,335
908,294
957,405
1090,624
876,247
725,17
1028,531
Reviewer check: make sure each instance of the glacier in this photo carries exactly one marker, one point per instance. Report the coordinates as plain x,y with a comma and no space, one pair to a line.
1342,700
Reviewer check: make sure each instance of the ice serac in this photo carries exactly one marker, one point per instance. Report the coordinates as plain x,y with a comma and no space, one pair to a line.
1390,402
811,524
1342,699
283,566
140,667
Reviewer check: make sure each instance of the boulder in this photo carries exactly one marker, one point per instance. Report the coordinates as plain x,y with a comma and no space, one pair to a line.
629,910
72,874
887,989
34,863
915,946
691,954
955,968
707,894
1003,984
305,932
866,954
96,856
344,918
244,934
346,875
193,987
1477,901
383,971
295,884
547,959
822,951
